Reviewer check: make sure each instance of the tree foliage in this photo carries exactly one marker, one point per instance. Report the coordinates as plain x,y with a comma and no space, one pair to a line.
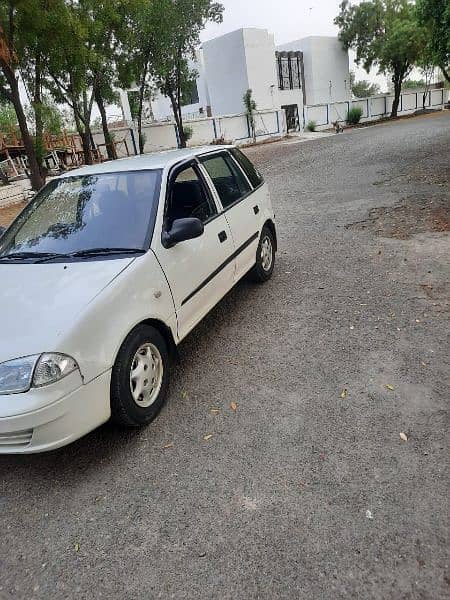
434,15
384,34
363,88
172,66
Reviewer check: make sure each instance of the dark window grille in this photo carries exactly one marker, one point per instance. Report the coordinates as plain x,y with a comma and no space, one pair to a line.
289,70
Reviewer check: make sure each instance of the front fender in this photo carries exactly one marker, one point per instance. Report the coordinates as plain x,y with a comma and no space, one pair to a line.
138,293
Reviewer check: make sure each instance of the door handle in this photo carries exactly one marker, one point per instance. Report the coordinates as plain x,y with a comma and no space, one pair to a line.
222,236
256,209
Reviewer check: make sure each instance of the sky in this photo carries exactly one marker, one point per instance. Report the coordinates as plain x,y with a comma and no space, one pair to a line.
288,20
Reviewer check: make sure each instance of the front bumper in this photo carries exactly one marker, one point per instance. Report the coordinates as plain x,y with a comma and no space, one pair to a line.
58,423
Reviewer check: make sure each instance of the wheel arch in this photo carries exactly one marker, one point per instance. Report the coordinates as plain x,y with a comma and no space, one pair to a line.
162,328
166,332
271,225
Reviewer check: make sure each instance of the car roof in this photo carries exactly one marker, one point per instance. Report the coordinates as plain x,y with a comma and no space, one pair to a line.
145,162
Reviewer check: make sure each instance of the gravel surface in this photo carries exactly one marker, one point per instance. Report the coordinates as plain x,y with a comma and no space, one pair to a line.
306,490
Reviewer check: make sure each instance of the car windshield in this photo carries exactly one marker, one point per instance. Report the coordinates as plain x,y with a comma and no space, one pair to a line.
80,214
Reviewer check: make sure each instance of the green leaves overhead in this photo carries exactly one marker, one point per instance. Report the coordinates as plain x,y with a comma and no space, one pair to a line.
434,15
384,34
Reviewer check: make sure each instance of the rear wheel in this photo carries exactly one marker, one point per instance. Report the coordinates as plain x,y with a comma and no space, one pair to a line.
265,257
140,377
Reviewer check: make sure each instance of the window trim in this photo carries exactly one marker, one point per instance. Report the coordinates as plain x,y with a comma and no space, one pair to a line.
255,187
171,176
204,157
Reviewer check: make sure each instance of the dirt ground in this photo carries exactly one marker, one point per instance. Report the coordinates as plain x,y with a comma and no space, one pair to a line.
8,213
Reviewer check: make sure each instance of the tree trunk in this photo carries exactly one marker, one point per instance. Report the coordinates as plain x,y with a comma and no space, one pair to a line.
397,91
139,119
38,107
35,173
141,105
87,139
86,143
110,149
178,119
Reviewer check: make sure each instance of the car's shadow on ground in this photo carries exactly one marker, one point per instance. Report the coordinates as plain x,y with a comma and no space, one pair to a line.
108,442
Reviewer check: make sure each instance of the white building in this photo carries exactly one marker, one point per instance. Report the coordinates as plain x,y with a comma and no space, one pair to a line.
313,70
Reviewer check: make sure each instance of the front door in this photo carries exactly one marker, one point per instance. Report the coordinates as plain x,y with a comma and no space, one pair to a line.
199,271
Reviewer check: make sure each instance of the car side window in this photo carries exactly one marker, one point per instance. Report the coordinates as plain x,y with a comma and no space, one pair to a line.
248,167
228,179
188,198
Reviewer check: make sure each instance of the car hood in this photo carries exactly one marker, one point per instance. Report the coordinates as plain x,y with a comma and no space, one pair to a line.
40,302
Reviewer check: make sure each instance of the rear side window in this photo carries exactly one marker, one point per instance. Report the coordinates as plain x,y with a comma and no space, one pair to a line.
250,170
228,179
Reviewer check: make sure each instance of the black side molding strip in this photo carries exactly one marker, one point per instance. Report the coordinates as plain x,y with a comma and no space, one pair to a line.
221,267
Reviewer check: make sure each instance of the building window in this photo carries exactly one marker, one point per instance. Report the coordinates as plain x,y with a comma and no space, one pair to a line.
289,69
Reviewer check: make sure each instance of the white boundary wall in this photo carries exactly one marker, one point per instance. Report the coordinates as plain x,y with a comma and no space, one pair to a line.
374,108
269,123
232,128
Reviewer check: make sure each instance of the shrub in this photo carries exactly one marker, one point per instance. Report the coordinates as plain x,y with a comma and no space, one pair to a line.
311,126
188,132
354,115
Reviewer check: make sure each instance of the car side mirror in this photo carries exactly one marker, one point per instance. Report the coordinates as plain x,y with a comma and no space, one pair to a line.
182,230
2,230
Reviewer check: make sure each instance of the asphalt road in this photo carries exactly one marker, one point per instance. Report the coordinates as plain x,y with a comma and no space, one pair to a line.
306,490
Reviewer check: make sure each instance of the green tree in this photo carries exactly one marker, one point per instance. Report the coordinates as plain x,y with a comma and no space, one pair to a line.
172,73
69,75
384,33
412,84
434,15
106,22
82,67
13,50
363,88
8,118
142,43
51,117
37,22
250,107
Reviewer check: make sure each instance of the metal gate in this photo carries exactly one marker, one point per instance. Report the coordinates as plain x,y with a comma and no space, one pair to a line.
292,121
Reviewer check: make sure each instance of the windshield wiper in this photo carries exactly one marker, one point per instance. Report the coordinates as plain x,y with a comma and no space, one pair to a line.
92,252
19,255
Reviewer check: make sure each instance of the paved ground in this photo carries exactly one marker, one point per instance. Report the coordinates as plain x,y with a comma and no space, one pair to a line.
306,490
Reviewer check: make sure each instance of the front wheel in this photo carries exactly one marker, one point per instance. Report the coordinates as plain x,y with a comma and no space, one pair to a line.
140,378
265,257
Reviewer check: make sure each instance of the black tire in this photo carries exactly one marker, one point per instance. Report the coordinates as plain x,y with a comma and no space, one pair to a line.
260,272
125,411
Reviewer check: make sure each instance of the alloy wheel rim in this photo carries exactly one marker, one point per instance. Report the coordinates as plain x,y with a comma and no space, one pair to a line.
146,375
266,253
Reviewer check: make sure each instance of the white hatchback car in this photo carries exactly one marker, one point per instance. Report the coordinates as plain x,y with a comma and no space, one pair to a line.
105,272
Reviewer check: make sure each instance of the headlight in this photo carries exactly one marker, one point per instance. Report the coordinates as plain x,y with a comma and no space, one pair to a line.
20,374
16,375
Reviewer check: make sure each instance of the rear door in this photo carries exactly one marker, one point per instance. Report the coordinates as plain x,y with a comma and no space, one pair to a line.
240,206
199,271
